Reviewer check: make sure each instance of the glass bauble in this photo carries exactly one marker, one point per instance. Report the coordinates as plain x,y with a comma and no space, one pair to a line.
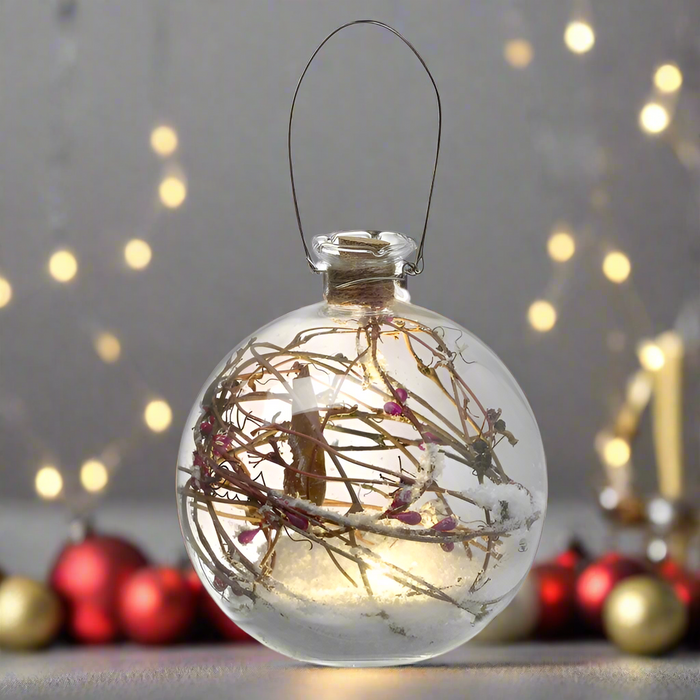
362,482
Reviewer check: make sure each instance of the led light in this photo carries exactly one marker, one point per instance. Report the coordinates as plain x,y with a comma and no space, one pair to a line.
657,550
108,347
164,140
651,356
617,267
94,476
48,482
518,52
668,78
609,498
172,192
579,37
542,316
654,118
561,245
158,415
5,292
63,266
137,254
616,452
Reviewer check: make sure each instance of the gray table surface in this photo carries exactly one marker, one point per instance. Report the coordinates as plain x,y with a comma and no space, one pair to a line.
251,672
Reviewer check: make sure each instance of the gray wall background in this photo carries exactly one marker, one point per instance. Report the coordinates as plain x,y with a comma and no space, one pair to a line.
521,150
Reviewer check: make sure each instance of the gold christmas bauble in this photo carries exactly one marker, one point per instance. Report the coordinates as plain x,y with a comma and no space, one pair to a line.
643,615
30,613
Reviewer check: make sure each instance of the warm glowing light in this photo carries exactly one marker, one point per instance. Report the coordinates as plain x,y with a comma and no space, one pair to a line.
654,118
48,482
668,78
94,476
63,266
651,356
657,550
158,415
5,292
616,452
631,609
579,37
561,245
617,267
542,316
518,52
660,512
172,192
164,140
108,347
609,498
137,254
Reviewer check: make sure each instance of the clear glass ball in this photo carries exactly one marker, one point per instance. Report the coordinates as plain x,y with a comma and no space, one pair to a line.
361,485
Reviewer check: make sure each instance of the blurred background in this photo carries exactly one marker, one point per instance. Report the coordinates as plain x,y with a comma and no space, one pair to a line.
147,220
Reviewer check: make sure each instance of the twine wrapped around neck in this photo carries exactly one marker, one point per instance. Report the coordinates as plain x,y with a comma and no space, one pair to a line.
373,278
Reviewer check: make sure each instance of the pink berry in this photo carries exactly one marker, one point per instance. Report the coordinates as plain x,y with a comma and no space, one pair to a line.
447,546
392,408
410,517
206,426
299,521
401,394
247,536
446,524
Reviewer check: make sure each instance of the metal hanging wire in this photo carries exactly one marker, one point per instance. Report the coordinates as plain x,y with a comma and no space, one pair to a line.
410,268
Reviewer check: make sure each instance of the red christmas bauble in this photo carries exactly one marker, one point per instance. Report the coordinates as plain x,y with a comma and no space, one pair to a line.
211,616
156,606
223,624
88,576
686,584
556,589
597,580
574,557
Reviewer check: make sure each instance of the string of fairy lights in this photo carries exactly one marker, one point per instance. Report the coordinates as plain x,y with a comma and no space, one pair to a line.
562,246
655,117
63,267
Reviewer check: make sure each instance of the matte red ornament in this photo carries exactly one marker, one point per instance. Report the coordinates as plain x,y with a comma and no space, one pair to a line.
597,580
221,622
574,557
211,616
157,606
88,576
556,591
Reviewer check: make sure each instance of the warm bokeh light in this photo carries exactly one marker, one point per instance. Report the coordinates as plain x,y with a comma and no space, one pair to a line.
172,191
94,476
579,37
668,78
654,118
542,316
609,498
137,254
5,292
48,482
158,415
616,452
616,267
651,356
63,266
561,245
164,140
108,347
657,551
631,609
518,52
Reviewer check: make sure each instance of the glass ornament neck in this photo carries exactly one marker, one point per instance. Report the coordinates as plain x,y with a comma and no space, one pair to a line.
363,269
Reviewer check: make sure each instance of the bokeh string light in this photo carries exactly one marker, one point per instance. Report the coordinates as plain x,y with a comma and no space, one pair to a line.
5,292
579,37
48,482
137,254
654,118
